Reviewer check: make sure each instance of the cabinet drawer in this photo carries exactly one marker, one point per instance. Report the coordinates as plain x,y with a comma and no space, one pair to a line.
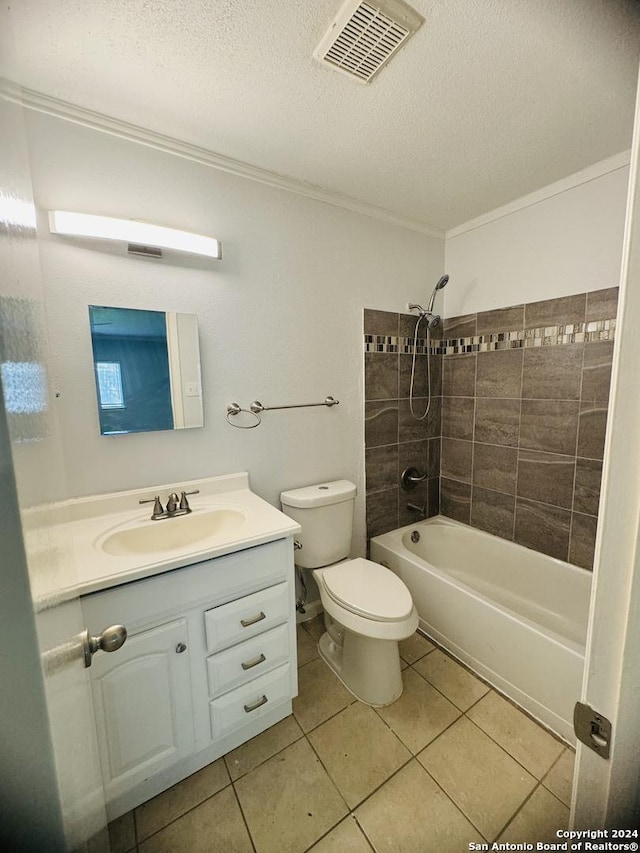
241,663
249,702
242,619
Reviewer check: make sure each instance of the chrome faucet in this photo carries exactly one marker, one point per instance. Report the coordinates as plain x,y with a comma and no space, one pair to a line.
175,506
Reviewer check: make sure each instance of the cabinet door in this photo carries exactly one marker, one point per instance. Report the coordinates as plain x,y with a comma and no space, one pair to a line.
142,696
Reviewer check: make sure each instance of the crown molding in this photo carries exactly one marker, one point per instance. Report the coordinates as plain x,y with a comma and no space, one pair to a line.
597,170
39,102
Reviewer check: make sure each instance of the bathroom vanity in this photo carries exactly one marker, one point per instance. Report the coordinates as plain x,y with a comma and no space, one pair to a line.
210,657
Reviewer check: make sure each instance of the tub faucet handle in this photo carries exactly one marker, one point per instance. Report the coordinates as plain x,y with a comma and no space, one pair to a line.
411,477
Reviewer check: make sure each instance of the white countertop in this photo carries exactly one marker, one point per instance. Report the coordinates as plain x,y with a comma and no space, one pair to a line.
88,521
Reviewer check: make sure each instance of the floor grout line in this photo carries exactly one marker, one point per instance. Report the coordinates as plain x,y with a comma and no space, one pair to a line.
244,817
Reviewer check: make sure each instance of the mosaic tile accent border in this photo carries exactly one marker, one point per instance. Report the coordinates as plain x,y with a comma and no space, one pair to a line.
544,336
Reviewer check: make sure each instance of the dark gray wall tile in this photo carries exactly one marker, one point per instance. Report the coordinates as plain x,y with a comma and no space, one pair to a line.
434,418
380,376
459,327
436,375
421,377
596,371
381,423
583,540
382,512
546,477
457,417
495,467
550,426
455,500
459,376
407,326
497,421
602,304
499,373
380,322
593,426
552,312
381,468
587,486
501,320
434,496
553,372
493,512
456,456
433,457
488,441
543,528
411,429
412,454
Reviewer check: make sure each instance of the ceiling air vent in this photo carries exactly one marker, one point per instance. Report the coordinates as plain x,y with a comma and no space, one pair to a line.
364,36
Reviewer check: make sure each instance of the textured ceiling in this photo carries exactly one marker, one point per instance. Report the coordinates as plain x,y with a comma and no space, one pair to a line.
490,100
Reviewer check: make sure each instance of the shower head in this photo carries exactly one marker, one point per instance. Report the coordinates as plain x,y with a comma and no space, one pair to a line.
442,282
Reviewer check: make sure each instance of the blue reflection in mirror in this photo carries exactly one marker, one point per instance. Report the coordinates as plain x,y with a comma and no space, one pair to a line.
131,365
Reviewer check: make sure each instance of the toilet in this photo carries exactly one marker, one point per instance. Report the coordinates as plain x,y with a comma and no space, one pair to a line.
367,608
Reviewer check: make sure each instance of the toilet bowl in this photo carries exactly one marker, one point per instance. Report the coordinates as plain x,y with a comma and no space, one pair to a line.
367,608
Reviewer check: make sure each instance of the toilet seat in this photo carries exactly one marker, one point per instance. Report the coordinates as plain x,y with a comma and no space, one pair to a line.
368,589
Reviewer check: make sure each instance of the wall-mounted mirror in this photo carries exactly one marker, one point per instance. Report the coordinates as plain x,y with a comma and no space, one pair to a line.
147,369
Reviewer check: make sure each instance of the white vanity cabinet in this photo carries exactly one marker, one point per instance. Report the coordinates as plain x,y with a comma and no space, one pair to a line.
209,662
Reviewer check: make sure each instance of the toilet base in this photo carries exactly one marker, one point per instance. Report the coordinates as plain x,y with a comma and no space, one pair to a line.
369,668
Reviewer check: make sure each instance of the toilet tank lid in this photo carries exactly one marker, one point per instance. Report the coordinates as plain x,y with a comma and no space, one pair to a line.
322,494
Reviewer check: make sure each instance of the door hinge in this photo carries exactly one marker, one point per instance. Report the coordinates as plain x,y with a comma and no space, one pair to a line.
592,729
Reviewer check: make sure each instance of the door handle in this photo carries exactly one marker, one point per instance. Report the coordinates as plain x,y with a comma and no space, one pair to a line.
110,640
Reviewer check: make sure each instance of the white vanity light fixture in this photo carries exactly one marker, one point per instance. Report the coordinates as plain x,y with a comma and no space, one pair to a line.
143,237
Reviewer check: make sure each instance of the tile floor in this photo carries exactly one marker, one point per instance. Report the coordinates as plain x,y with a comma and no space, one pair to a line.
449,763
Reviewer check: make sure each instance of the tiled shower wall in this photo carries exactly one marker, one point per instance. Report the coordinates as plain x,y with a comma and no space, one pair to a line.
393,439
514,440
524,410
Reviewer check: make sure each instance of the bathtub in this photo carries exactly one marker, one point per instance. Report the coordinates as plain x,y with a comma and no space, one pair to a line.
515,617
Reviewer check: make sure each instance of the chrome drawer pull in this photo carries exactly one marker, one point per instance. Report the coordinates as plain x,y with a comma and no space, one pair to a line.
249,708
251,663
246,622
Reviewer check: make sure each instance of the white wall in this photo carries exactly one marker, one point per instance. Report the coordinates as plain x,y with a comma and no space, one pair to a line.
568,243
280,317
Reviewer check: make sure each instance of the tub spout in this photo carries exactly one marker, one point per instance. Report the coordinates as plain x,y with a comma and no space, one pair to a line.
415,508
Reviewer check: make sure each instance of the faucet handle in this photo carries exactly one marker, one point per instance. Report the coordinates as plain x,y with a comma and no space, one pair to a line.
184,503
157,506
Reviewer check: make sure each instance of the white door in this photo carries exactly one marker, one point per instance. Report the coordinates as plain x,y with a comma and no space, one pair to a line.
51,783
606,792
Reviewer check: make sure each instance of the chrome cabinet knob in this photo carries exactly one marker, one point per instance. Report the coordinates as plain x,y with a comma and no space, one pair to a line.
181,647
110,640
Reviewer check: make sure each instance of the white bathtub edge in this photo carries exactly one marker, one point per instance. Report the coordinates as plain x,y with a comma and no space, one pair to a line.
543,715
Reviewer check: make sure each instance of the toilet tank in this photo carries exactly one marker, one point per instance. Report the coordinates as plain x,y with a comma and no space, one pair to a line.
325,513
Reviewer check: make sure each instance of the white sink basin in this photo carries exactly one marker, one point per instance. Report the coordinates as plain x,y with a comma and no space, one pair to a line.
191,532
116,542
